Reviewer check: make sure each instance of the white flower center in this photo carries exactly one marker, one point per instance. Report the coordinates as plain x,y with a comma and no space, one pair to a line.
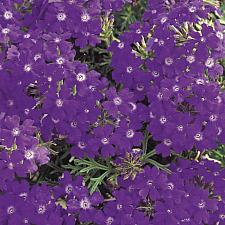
176,88
37,56
198,137
222,216
219,35
11,209
155,73
26,36
216,174
219,99
109,221
150,182
61,16
28,154
59,102
26,220
26,111
140,87
10,102
117,101
163,20
10,166
81,77
213,118
170,186
60,60
186,220
209,63
160,95
15,131
192,9
5,30
187,195
168,61
138,31
180,128
8,15
23,195
55,120
162,119
105,141
57,40
167,142
85,17
41,209
68,188
73,124
92,88
151,115
85,203
136,150
81,145
133,106
191,58
200,81
161,42
27,68
201,204
130,133
121,45
129,69
87,34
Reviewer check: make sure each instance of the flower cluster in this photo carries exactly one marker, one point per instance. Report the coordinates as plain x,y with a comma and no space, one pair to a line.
159,89
20,152
22,204
188,196
172,62
193,194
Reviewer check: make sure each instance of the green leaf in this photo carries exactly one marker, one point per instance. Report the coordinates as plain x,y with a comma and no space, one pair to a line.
159,166
145,142
148,155
95,182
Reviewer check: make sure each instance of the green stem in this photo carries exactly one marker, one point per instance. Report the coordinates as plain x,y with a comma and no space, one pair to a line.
145,142
159,166
148,155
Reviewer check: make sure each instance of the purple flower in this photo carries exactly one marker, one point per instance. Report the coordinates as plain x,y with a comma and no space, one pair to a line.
102,140
34,155
126,135
67,185
117,102
13,132
84,204
151,183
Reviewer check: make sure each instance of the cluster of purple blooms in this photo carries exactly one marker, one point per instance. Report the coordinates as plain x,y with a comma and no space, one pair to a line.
188,196
176,74
165,69
192,194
